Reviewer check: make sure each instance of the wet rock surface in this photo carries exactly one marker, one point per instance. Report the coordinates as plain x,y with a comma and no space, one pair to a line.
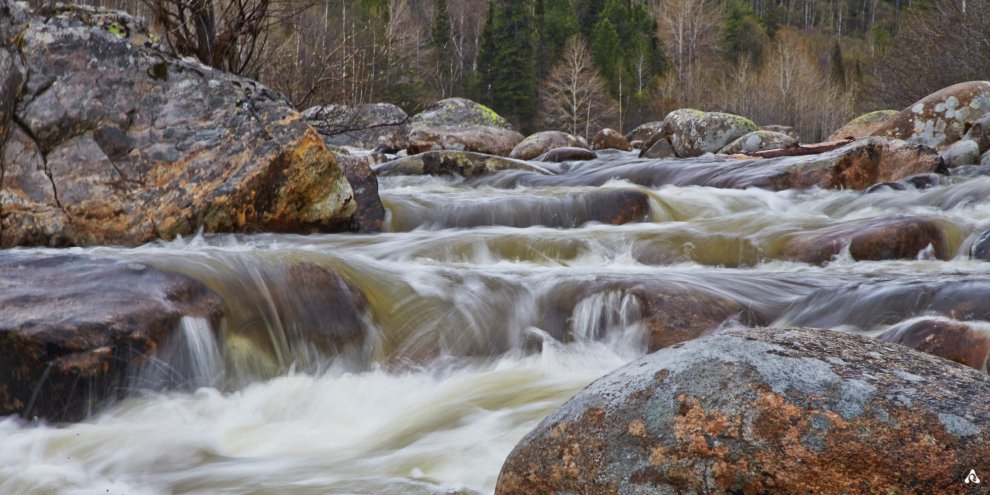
74,328
370,214
119,143
543,142
940,118
610,139
963,343
763,410
567,154
876,239
463,125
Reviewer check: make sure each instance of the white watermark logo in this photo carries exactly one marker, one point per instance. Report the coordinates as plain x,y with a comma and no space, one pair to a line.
972,478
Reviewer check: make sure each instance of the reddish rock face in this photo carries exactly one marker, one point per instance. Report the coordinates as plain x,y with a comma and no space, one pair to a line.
72,329
764,411
875,239
370,214
864,125
610,139
940,118
543,142
952,340
119,143
567,154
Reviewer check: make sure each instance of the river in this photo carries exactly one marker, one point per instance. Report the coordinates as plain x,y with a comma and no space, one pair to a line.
466,344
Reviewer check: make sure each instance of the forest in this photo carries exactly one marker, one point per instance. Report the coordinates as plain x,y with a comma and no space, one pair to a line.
580,65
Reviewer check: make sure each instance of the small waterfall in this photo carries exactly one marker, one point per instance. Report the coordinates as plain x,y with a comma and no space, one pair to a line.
613,316
191,359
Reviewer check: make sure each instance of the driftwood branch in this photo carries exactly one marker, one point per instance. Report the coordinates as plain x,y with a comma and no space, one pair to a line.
803,149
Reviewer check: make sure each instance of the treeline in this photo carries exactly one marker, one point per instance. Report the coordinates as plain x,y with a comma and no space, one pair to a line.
579,65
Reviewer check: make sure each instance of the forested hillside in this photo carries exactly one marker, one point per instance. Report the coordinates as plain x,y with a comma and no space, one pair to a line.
579,65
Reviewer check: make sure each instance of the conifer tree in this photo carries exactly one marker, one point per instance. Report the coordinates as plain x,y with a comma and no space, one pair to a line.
509,58
742,35
445,66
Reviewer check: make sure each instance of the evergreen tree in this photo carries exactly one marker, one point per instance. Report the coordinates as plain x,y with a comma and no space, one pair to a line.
486,57
838,66
509,58
556,23
445,66
742,35
588,12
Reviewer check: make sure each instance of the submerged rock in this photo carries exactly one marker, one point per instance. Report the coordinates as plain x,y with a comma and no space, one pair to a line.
463,125
74,329
874,239
694,133
543,142
119,143
463,163
567,154
670,312
379,126
607,139
940,118
949,339
763,411
759,141
863,126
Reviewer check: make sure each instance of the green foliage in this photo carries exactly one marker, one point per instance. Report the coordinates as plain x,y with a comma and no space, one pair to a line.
508,61
588,12
556,21
742,35
606,48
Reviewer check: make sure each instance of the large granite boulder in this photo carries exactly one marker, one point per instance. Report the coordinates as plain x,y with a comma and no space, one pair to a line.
764,411
370,214
644,132
115,142
610,139
463,125
863,126
542,142
379,126
74,329
873,239
940,118
694,133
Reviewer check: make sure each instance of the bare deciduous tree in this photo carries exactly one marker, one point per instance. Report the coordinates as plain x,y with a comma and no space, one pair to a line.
573,98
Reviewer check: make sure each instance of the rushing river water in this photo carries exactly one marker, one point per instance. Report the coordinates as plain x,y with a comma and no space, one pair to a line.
466,344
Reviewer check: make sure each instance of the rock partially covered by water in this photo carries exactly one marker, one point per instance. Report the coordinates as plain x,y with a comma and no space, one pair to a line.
874,239
981,247
670,312
610,139
694,133
658,147
863,126
567,154
370,214
764,411
118,143
73,329
371,126
543,142
959,153
463,163
759,141
461,124
645,132
953,340
940,118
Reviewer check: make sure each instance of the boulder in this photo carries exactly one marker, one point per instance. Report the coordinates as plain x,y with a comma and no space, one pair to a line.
645,132
863,126
610,139
857,165
658,148
370,214
981,247
567,154
759,141
73,329
694,133
463,163
876,239
670,312
764,411
380,126
962,152
940,118
542,142
120,143
463,125
953,340
980,132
